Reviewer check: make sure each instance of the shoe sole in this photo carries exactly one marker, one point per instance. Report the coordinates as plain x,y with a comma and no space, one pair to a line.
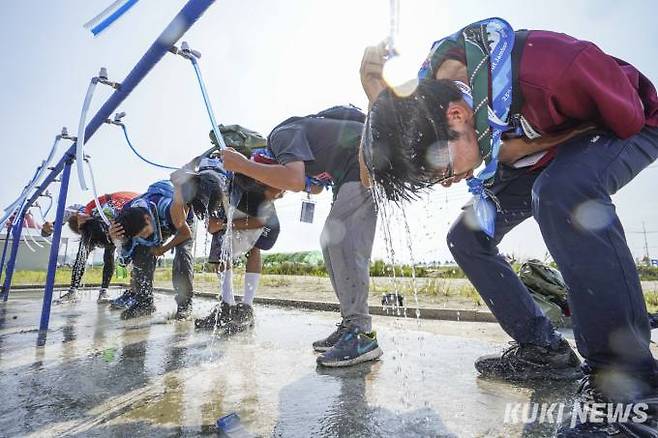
149,313
233,328
371,355
553,375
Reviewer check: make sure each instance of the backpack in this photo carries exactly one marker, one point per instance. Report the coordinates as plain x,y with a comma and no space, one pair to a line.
240,138
164,187
339,112
548,289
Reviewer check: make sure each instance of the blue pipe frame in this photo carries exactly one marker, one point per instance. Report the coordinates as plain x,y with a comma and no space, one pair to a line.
181,23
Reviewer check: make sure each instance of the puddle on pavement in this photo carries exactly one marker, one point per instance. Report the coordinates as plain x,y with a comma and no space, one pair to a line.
100,376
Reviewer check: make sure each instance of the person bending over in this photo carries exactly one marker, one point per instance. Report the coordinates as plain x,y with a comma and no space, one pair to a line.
156,222
86,222
560,126
325,146
255,228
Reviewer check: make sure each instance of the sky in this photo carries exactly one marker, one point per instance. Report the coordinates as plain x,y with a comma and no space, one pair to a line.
263,61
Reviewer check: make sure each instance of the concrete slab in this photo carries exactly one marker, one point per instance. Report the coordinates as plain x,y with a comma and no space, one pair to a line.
100,376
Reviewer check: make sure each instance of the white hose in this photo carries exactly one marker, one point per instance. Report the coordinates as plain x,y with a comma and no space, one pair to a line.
34,240
103,14
99,208
26,191
28,245
80,142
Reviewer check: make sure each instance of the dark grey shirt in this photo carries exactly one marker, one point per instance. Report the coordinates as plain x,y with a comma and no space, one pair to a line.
328,147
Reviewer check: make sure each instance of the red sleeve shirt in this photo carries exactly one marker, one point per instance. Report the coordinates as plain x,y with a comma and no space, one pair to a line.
119,199
566,82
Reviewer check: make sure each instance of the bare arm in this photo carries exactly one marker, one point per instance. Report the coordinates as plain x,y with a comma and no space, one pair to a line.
248,223
363,170
178,211
372,67
183,234
516,148
289,176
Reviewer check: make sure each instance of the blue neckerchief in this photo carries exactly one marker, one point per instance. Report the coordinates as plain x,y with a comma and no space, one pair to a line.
500,36
153,240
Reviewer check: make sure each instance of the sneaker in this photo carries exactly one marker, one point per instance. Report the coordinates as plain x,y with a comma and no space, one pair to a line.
219,317
123,301
103,297
328,342
355,346
138,308
242,318
70,296
184,311
528,362
597,415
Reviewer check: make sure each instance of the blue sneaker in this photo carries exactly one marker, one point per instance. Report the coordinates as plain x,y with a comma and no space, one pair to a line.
123,301
355,346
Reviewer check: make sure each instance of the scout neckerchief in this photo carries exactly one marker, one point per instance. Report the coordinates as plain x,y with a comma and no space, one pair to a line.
488,46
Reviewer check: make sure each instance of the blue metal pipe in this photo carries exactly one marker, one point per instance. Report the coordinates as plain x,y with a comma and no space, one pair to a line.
4,252
54,253
183,21
16,230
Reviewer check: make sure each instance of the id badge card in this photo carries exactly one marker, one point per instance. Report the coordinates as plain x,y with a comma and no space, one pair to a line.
308,210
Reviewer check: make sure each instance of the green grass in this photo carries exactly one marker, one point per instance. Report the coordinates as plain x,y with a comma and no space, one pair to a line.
436,284
63,276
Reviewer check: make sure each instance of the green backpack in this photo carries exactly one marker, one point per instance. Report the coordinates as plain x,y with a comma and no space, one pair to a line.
239,138
548,289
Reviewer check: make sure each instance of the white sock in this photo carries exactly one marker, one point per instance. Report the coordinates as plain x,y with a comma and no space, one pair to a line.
227,287
250,286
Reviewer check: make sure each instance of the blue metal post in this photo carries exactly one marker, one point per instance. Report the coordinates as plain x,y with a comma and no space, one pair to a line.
4,252
54,253
172,33
16,230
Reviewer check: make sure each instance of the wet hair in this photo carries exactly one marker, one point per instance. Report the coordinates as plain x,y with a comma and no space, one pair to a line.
133,220
406,139
74,224
94,231
248,184
203,192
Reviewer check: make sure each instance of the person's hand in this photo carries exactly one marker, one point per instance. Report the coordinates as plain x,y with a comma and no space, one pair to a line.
116,231
215,225
234,161
47,229
371,71
158,251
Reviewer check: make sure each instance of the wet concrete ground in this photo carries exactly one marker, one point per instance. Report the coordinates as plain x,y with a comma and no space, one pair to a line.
100,376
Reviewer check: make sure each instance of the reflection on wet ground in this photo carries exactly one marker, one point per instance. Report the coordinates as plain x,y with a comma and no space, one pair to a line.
100,376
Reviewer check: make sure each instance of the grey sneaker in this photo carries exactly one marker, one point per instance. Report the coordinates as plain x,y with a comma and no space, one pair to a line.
70,296
328,342
355,346
103,297
529,362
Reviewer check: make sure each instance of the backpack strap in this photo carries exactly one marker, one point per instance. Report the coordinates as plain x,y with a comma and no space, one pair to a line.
520,37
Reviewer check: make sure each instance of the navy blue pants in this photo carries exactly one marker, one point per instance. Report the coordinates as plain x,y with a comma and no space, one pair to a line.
570,200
